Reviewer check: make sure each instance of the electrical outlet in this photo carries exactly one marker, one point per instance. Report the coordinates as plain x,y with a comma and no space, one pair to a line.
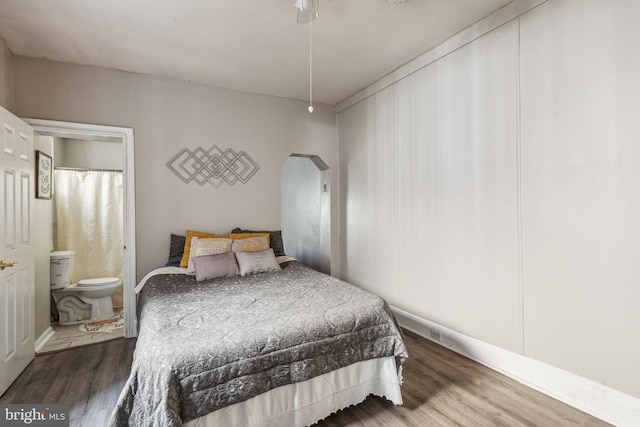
434,335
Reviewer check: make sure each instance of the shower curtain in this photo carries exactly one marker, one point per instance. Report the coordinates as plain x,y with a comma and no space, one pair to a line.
89,210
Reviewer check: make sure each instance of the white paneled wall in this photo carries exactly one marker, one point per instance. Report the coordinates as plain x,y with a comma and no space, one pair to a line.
580,85
370,167
495,191
431,191
475,270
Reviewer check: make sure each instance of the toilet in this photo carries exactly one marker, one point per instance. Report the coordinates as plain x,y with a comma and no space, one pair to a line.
89,300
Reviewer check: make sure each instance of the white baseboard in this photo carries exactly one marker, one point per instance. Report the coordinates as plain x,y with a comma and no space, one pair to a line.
589,396
42,339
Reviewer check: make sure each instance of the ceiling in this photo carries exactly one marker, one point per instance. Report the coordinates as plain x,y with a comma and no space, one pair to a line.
252,45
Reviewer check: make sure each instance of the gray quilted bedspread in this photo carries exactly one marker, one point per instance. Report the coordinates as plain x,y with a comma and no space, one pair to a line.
205,345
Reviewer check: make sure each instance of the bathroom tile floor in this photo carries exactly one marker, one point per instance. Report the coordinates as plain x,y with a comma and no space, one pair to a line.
66,337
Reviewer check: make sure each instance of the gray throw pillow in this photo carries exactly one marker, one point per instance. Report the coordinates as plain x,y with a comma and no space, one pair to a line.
175,250
257,262
214,266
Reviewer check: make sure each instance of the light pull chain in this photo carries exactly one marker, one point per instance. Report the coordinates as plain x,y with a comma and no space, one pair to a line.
310,66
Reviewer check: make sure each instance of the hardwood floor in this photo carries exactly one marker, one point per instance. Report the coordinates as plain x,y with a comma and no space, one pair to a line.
88,379
441,388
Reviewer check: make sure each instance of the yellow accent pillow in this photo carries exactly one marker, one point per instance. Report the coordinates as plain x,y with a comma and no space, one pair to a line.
247,235
250,244
184,262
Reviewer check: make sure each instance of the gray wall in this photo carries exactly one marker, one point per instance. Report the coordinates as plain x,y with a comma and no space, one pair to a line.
168,115
305,210
494,189
6,76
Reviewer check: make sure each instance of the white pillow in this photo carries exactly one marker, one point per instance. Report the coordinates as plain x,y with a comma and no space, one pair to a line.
206,246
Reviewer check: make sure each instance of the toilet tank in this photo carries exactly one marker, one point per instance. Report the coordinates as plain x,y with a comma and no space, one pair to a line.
61,268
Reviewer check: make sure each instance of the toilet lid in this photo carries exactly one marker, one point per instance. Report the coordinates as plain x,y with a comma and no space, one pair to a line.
61,254
100,281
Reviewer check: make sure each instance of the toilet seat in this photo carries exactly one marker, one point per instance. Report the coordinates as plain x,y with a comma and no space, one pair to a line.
101,281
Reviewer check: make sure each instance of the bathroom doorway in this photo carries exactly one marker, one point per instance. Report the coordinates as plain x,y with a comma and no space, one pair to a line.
122,137
87,207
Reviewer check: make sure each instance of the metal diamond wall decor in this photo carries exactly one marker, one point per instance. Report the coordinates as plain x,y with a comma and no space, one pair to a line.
213,166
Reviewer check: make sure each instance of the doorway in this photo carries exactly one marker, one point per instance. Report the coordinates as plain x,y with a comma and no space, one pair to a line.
88,132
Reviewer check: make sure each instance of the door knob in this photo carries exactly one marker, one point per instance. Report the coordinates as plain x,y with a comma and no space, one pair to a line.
4,265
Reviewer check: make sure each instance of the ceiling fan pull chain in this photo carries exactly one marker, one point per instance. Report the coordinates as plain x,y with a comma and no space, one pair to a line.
310,67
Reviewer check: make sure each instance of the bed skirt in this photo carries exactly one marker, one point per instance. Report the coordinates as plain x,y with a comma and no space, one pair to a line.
307,402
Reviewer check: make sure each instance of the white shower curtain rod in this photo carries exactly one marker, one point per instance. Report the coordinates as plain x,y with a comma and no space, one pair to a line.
86,169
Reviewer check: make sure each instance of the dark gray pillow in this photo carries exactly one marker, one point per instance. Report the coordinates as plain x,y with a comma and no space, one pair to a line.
213,266
275,239
175,250
257,262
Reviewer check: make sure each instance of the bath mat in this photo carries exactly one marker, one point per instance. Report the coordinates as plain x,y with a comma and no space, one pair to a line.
107,326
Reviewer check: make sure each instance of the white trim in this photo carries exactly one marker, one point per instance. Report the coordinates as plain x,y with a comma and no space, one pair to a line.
69,129
497,19
44,338
589,396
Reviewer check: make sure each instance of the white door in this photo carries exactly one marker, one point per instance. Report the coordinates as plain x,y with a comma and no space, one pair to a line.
17,280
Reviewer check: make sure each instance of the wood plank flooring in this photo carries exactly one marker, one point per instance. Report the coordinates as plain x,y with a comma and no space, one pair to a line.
88,379
441,388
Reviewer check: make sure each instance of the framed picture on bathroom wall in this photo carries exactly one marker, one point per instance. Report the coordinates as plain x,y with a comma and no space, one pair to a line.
44,175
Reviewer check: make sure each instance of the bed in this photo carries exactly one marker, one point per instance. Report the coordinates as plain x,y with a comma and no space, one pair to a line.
287,346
